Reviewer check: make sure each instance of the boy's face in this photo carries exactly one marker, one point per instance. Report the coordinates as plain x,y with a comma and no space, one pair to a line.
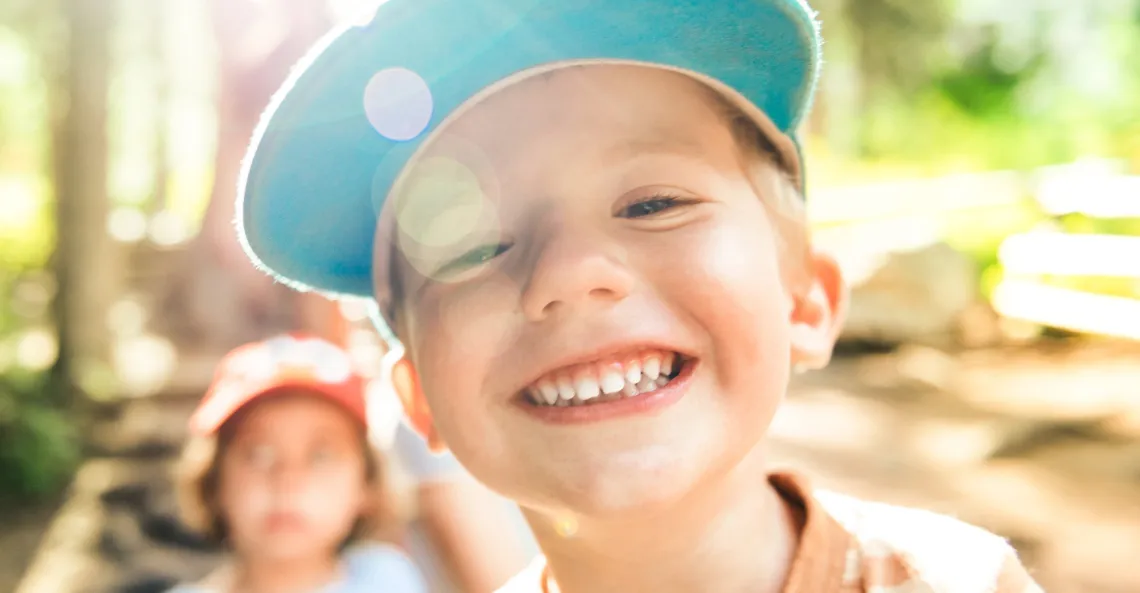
559,238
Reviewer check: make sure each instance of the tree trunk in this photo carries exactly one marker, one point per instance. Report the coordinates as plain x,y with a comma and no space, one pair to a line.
218,299
156,42
86,260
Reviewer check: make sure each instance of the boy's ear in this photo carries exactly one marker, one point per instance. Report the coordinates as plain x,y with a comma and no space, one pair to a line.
818,313
406,383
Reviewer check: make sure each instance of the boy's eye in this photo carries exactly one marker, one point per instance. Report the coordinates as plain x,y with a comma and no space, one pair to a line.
651,206
478,256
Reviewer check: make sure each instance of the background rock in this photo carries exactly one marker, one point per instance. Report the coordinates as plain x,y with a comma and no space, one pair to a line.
918,296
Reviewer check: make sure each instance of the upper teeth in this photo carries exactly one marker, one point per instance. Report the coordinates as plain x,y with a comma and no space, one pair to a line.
630,377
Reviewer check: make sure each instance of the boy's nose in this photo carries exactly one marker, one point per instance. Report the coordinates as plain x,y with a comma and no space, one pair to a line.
574,270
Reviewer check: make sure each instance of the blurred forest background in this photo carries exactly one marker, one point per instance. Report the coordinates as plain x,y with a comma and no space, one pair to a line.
975,165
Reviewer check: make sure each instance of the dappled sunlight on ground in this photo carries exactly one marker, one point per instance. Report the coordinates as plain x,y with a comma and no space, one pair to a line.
1028,443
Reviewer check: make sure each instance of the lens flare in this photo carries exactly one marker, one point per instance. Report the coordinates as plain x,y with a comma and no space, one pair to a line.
398,104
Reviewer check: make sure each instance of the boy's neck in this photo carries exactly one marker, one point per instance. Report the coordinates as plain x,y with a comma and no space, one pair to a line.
736,536
303,575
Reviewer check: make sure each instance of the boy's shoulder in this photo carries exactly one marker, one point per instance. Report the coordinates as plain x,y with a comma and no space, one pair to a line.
917,550
888,548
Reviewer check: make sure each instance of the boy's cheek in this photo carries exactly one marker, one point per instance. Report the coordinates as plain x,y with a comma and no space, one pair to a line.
736,272
480,317
736,292
453,340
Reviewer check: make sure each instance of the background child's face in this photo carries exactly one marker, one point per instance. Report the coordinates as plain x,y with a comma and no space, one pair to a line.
592,210
292,479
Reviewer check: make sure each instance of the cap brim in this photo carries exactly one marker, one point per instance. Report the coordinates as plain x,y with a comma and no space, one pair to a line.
217,408
324,158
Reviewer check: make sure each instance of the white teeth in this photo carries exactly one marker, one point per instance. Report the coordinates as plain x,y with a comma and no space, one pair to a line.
652,368
548,392
565,388
612,382
633,373
583,384
587,388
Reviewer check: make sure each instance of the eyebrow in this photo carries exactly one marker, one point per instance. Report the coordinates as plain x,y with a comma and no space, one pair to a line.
658,143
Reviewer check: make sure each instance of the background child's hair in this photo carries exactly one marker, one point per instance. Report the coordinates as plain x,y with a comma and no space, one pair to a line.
196,487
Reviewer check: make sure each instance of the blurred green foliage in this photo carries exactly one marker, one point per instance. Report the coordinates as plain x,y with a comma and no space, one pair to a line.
981,88
971,94
39,444
39,447
1079,223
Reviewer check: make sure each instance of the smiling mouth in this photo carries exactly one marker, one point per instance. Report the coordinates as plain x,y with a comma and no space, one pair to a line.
630,376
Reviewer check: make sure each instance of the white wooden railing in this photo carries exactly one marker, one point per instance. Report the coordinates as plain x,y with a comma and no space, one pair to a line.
1097,191
864,222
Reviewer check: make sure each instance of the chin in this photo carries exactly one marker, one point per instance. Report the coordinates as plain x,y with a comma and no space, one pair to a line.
287,548
637,482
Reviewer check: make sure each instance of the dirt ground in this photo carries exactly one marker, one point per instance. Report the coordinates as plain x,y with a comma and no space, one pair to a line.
20,533
1041,445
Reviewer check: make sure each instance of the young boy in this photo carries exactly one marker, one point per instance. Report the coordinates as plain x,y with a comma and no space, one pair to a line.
584,222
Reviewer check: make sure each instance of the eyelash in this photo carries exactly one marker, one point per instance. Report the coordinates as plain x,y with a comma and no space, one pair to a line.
465,262
670,201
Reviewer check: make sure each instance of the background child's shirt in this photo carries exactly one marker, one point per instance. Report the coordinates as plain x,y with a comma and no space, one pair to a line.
852,546
368,568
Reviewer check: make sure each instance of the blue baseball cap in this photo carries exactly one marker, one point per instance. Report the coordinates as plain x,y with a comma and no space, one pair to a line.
337,136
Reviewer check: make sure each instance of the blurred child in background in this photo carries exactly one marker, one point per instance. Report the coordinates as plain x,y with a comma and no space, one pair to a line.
281,473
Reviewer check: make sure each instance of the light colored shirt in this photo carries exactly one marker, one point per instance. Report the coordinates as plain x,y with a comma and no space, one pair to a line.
368,568
852,546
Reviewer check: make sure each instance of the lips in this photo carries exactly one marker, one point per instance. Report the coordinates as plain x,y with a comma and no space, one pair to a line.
284,520
609,379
